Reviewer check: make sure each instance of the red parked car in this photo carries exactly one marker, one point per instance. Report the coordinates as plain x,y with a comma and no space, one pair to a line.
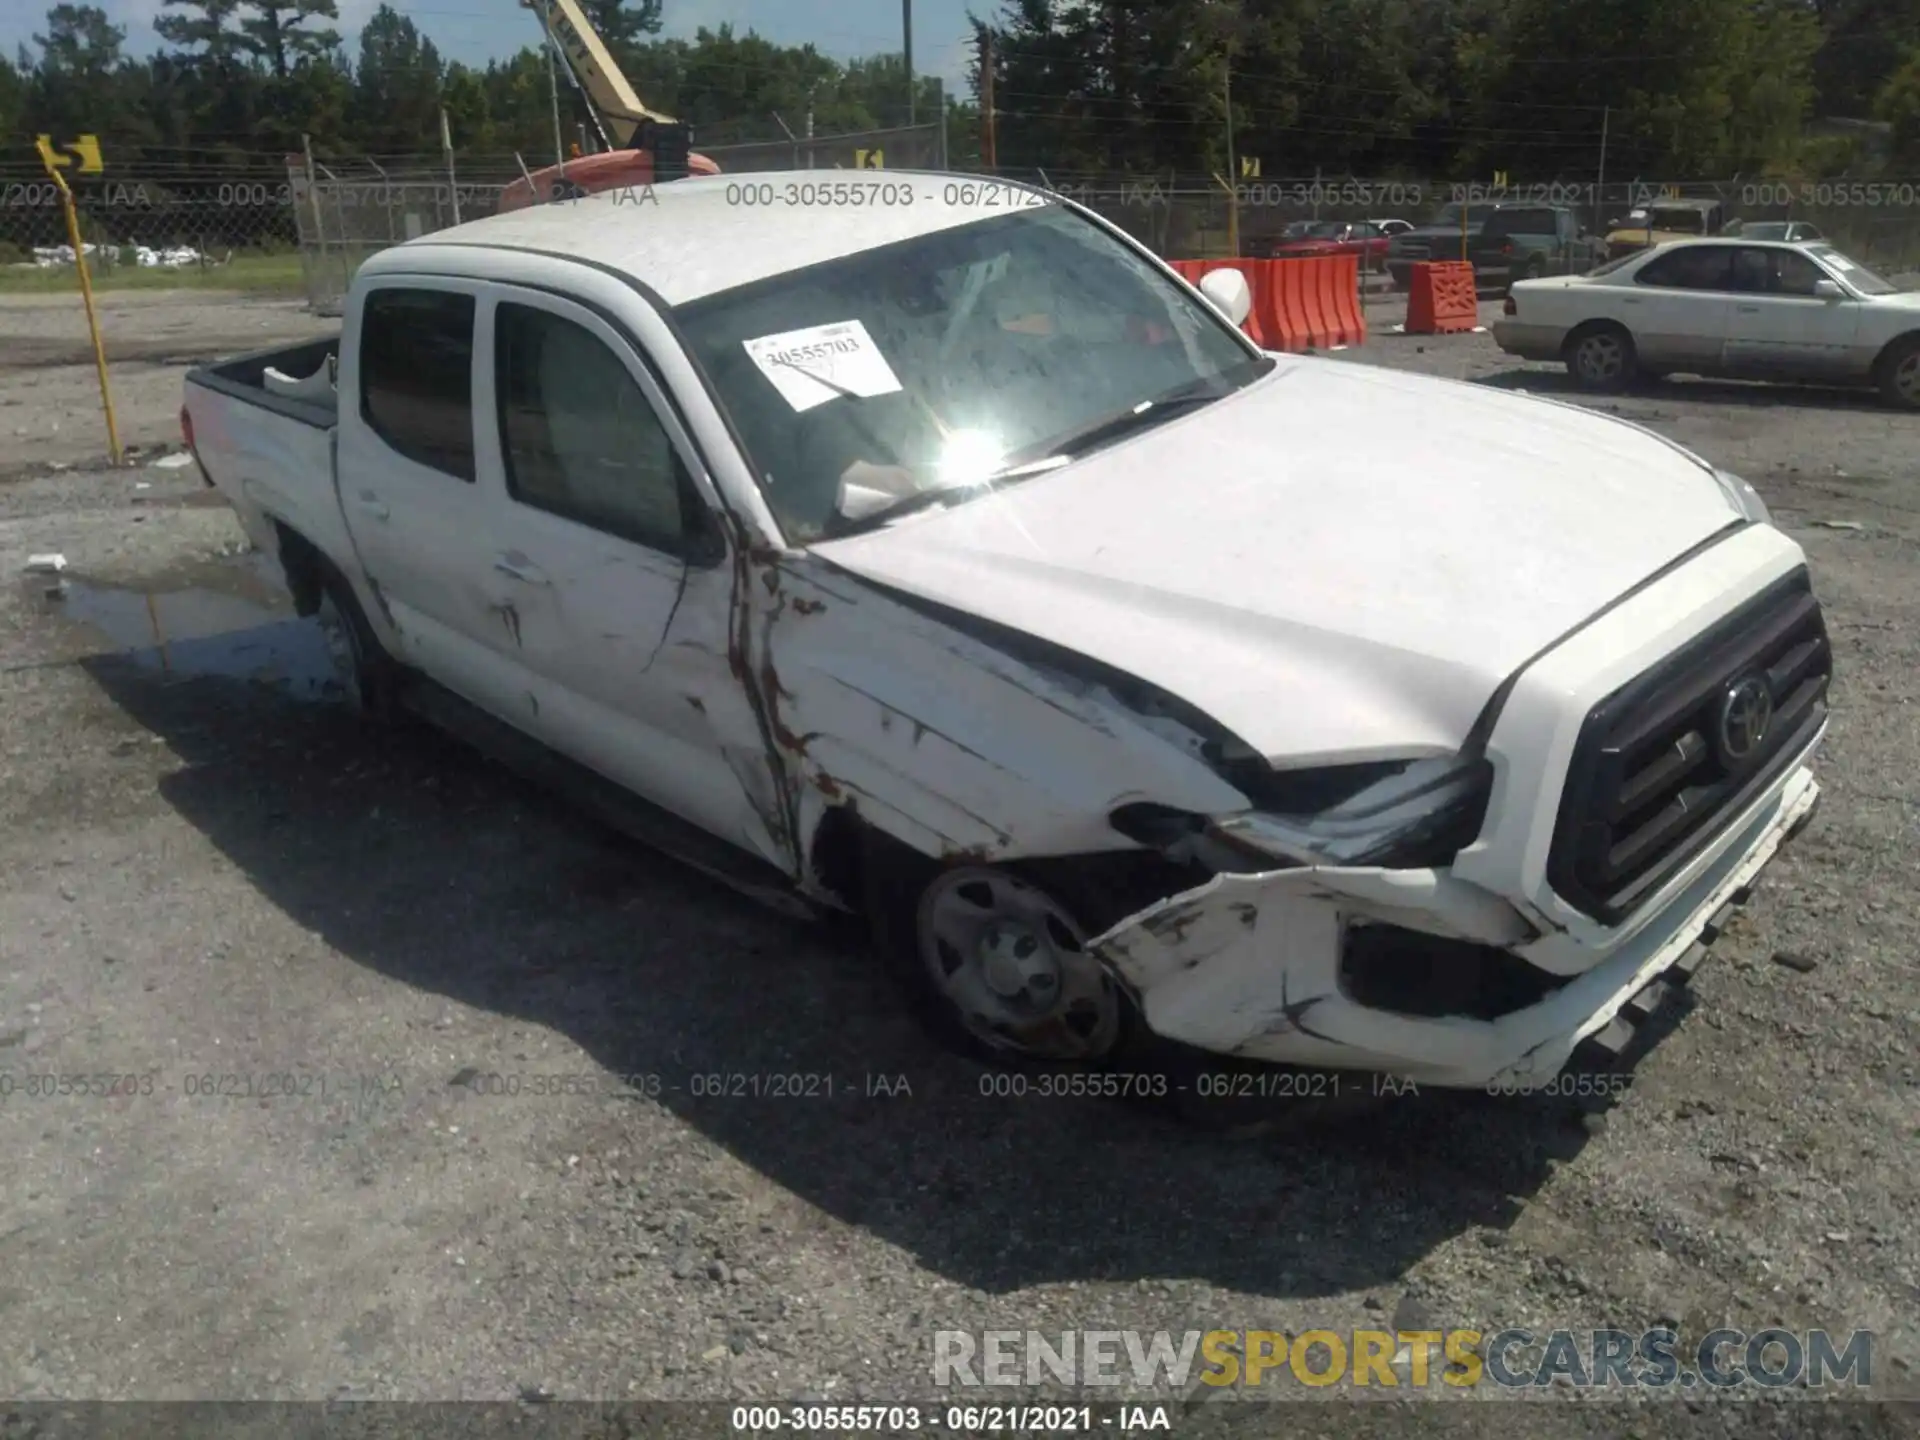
1333,237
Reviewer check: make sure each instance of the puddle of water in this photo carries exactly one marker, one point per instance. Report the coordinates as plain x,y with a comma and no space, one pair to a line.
225,619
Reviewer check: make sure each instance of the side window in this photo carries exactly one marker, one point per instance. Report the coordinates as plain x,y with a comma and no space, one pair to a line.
1697,267
1753,271
416,375
1795,274
578,435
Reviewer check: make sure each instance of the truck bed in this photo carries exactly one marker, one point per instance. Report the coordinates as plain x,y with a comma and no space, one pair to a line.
242,379
270,455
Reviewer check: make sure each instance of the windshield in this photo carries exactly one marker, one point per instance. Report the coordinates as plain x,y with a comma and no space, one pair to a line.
1853,272
1314,230
939,361
1620,262
1688,222
1476,214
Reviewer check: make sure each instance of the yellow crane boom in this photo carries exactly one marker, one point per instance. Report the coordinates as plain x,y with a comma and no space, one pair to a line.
619,108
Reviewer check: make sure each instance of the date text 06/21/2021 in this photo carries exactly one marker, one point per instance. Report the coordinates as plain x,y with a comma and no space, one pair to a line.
974,1419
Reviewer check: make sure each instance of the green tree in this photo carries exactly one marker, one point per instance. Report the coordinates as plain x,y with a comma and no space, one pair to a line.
203,25
1899,105
396,87
74,87
623,23
1863,44
281,35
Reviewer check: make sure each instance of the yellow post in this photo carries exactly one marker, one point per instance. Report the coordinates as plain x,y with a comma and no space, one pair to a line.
52,164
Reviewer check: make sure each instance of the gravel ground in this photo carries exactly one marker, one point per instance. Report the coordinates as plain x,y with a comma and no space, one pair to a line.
50,410
208,870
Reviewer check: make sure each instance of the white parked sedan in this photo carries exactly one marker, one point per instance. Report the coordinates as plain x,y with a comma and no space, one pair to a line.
1725,307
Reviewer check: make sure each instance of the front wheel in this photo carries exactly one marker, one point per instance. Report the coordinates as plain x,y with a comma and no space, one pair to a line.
1601,359
997,966
1900,374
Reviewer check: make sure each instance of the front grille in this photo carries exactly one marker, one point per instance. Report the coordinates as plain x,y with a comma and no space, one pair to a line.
1666,761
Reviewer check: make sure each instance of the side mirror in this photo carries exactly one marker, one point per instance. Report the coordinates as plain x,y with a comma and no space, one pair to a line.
1229,292
1828,290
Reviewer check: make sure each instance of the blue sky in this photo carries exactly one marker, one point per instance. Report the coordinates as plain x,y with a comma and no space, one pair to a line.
476,30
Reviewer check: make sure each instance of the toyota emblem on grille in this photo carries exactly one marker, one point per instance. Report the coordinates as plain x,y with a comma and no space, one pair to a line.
1745,713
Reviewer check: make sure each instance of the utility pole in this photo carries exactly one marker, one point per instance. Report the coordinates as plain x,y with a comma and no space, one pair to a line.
989,156
810,127
1233,173
1600,187
1229,16
906,49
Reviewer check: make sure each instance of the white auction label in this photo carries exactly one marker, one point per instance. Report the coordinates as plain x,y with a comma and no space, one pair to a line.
823,362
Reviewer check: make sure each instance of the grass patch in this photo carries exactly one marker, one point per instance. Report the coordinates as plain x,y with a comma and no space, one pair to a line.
254,274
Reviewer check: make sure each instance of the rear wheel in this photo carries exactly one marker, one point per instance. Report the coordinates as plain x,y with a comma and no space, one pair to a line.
1601,358
1900,373
365,673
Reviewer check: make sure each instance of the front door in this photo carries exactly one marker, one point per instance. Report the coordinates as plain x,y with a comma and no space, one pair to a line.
1779,328
608,560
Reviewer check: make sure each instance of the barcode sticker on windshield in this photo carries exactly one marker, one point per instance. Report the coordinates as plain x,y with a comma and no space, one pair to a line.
823,362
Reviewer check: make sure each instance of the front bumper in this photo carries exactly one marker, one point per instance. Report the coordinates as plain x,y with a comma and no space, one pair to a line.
1251,965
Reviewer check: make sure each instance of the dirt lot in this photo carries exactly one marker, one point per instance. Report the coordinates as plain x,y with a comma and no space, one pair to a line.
210,871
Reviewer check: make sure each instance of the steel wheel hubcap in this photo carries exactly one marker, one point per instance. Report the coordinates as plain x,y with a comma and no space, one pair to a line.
1600,357
1014,966
1906,379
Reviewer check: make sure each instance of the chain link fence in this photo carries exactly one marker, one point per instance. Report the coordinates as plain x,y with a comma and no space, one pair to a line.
271,224
918,147
1878,222
152,222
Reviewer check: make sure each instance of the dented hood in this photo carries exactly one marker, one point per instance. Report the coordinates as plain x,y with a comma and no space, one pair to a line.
1338,561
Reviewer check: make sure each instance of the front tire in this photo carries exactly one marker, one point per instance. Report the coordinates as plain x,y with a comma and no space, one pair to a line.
1601,358
996,965
1900,374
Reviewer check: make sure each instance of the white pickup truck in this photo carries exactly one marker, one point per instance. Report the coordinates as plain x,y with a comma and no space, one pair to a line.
927,548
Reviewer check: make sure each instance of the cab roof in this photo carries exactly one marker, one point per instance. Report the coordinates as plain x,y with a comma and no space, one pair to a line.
695,237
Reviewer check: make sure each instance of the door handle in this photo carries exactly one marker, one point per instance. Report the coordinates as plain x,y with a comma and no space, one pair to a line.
515,568
372,505
1748,309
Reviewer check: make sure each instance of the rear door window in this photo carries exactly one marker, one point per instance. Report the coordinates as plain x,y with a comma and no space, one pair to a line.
416,375
1521,222
1695,267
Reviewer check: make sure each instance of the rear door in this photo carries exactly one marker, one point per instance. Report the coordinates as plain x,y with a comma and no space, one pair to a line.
1778,328
1679,305
408,483
606,552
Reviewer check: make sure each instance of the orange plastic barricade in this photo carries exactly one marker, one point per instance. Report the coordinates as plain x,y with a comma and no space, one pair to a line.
1316,302
1312,303
1442,300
